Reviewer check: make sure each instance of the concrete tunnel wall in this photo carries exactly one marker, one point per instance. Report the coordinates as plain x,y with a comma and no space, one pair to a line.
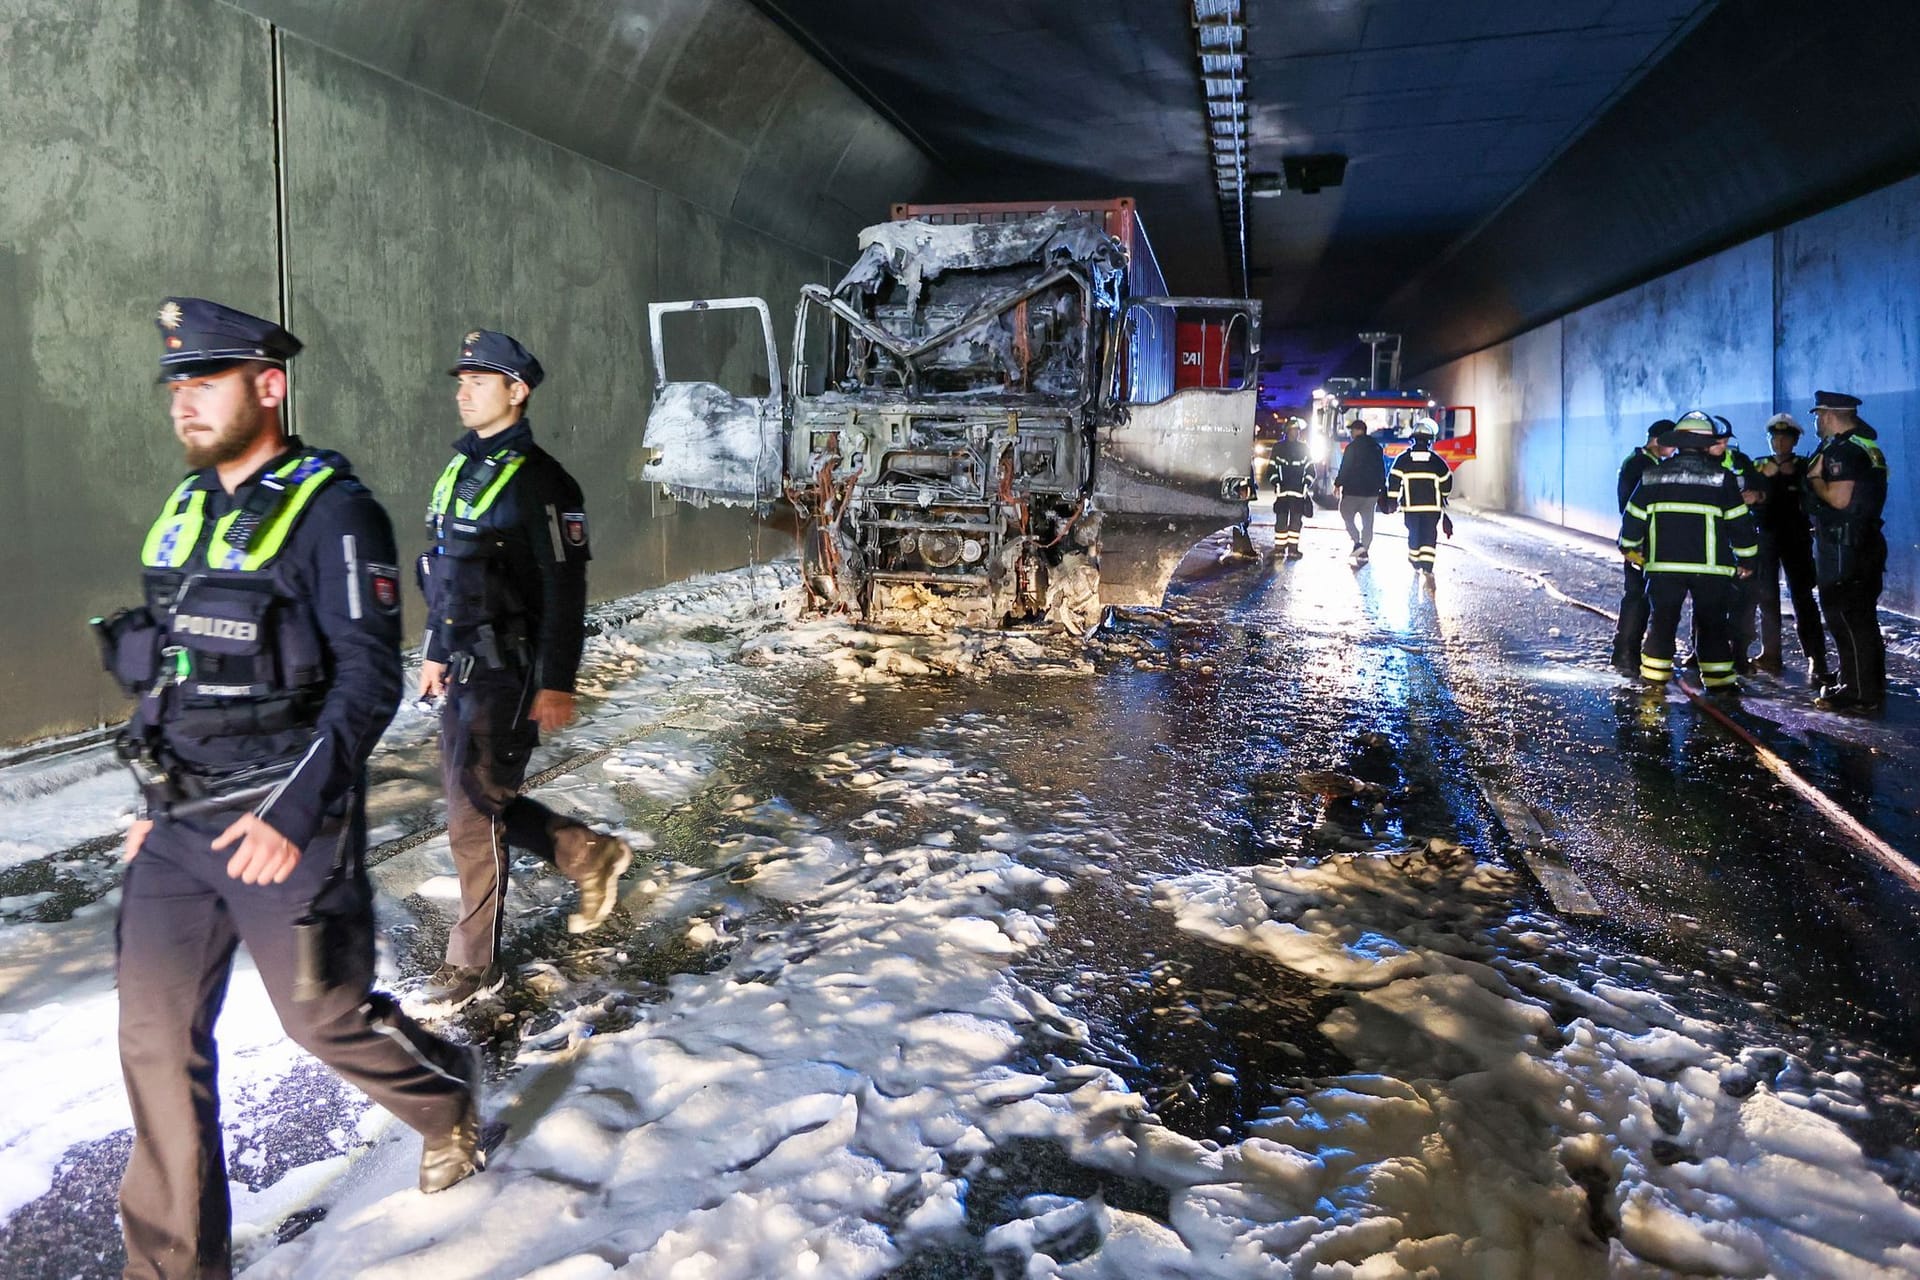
1831,301
397,178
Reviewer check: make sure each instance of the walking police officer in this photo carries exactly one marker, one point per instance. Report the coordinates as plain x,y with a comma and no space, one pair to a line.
1633,595
1688,525
1292,464
266,662
1420,482
1847,491
1786,547
506,586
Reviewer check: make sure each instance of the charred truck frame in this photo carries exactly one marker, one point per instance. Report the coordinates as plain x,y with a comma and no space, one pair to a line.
997,415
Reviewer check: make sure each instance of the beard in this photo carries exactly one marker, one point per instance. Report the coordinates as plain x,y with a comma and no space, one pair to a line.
229,441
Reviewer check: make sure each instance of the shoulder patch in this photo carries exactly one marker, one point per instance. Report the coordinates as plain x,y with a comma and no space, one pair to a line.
573,527
383,587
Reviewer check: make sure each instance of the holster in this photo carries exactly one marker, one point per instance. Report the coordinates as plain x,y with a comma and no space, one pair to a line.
130,648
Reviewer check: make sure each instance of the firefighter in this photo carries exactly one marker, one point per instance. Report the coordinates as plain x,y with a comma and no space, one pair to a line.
506,587
1786,547
1633,596
266,663
1847,491
1420,482
1292,464
1691,532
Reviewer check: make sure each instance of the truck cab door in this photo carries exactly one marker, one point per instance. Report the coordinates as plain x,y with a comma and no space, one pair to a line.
1187,389
708,443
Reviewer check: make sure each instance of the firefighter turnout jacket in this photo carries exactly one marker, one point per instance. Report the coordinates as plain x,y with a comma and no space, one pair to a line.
1292,465
1686,515
1420,479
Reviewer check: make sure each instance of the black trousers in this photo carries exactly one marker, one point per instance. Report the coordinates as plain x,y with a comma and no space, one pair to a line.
1289,514
486,740
1423,537
1794,558
1852,611
181,917
1711,593
1632,628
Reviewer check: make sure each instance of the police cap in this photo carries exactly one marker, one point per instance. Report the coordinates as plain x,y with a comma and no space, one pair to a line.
484,351
1835,400
198,337
1657,428
1783,424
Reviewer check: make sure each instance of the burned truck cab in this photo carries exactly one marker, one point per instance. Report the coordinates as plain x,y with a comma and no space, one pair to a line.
951,410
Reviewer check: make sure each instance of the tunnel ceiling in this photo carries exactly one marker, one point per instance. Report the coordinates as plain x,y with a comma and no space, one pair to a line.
1454,116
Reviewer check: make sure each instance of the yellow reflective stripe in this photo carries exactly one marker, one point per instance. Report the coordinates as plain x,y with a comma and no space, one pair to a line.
1638,513
271,535
173,536
1733,513
1686,508
1668,566
443,488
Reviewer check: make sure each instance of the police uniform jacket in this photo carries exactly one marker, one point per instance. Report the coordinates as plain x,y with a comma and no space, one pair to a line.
1363,468
1631,470
1291,465
283,660
1782,513
1687,516
1847,542
508,568
1420,479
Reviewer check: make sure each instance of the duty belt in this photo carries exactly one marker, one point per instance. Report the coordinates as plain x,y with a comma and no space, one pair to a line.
488,649
171,789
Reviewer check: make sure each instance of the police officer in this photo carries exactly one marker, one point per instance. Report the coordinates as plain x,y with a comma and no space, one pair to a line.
1690,529
1744,614
266,663
1292,464
1633,596
1847,491
506,587
1420,482
1786,546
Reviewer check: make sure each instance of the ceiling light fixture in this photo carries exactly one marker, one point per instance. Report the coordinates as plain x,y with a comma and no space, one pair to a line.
1220,37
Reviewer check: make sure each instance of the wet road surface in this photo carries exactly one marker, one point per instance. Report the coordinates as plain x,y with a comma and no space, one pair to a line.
1184,751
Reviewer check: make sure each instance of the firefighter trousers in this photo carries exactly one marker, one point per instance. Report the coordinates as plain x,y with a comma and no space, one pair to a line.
1852,611
486,740
1712,594
181,916
1289,515
1794,559
1423,537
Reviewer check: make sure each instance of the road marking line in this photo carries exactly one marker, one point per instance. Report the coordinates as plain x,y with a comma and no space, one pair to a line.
1861,834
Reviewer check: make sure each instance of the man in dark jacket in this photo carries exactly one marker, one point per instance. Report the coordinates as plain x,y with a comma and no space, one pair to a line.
1688,525
1847,491
1786,546
1359,482
1633,595
266,661
506,586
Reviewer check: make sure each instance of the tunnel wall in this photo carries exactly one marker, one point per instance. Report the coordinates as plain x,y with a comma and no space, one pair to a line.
395,195
1831,301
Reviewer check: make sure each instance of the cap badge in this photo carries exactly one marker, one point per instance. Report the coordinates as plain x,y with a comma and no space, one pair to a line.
173,344
470,339
169,316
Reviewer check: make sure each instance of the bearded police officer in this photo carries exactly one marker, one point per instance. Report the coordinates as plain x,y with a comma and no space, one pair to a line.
1689,528
266,661
1420,482
506,586
1847,491
1786,547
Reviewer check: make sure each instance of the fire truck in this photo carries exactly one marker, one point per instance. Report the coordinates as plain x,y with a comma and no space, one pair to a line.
1389,414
